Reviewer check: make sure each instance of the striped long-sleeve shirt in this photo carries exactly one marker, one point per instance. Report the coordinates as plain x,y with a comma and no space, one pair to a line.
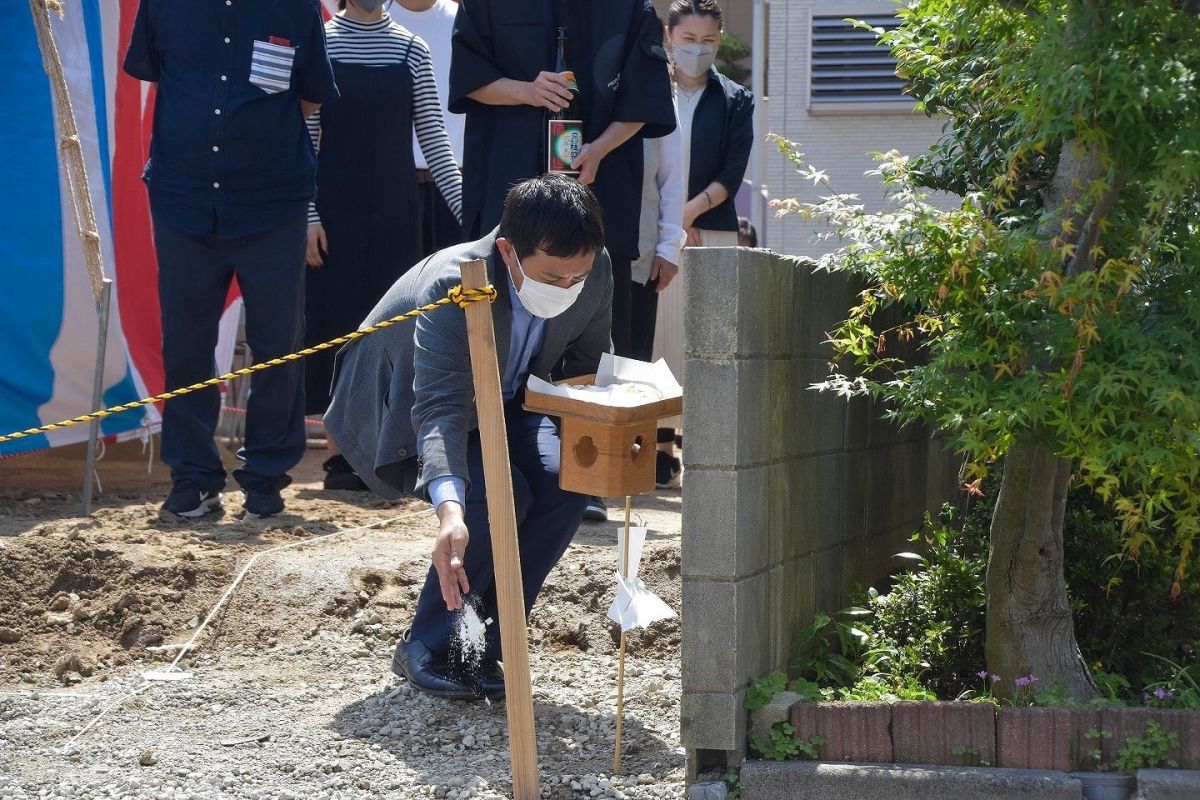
383,43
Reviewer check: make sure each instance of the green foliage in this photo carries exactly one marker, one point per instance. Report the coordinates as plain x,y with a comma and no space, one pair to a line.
761,690
930,623
809,690
1123,606
1057,300
731,58
1149,751
924,636
1090,760
1113,688
819,651
970,755
874,689
1180,689
733,782
1057,697
783,744
810,748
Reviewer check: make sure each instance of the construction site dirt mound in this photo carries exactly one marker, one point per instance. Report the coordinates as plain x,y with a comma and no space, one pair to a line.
300,654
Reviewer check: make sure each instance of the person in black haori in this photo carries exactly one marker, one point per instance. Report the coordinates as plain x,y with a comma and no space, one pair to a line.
364,227
502,79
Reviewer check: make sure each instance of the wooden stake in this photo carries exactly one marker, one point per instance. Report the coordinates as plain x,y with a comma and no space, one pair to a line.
510,596
621,664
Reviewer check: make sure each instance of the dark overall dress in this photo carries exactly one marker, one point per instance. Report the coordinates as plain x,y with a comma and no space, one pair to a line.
367,202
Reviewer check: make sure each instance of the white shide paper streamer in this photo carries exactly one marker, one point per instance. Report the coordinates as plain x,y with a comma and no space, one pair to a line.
635,606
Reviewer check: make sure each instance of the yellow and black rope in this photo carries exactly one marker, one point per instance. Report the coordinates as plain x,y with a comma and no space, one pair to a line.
458,296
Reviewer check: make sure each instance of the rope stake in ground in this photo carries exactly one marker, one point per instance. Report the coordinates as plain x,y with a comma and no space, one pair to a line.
457,295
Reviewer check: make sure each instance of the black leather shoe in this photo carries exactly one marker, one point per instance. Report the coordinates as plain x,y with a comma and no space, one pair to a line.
428,673
340,476
490,681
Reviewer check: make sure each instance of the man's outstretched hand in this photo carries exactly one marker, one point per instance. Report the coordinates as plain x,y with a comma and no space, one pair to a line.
448,552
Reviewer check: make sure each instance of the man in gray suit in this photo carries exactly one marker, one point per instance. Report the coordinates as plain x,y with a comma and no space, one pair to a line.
403,410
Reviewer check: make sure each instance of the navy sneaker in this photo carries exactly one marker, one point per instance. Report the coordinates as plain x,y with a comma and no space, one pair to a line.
263,502
595,511
191,503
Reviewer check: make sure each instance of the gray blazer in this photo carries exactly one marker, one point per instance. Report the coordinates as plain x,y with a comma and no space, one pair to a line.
403,399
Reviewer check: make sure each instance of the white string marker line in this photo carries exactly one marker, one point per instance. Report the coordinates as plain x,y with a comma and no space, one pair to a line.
145,684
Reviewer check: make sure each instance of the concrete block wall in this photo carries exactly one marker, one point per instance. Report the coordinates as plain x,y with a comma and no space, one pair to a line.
836,141
793,497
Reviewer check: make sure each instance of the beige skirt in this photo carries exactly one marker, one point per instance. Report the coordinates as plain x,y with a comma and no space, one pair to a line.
668,328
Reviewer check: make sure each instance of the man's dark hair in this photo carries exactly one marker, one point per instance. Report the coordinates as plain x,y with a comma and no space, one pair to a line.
554,214
746,231
694,8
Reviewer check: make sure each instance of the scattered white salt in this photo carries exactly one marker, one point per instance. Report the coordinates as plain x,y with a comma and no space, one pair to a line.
472,636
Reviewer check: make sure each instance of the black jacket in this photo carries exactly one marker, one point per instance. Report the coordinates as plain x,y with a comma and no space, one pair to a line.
722,133
617,54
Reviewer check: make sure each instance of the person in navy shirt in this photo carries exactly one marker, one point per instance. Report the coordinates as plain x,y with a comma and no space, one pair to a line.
230,176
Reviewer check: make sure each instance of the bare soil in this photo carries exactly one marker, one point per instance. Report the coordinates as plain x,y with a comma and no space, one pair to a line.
301,652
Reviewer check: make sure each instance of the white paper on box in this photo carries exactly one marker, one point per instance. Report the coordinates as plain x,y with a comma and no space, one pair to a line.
620,383
616,369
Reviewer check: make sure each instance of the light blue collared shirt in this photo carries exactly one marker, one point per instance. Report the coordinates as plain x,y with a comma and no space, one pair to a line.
526,341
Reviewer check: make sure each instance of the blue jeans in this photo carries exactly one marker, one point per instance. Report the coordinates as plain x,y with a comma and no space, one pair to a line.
547,518
194,275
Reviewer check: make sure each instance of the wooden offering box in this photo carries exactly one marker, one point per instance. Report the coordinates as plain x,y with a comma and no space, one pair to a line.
607,451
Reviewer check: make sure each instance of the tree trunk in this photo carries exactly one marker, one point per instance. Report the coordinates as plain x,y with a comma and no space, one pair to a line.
1030,630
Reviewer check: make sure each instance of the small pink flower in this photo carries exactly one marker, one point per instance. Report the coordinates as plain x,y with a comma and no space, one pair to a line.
983,673
1024,680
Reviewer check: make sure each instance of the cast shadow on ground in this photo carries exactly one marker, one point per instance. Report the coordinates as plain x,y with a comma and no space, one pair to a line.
645,750
229,526
662,501
356,499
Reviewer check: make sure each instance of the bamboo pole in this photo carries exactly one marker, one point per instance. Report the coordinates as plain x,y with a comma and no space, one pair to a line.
616,770
89,467
75,171
68,139
510,596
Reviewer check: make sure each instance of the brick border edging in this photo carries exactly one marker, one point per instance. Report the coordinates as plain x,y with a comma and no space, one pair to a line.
1018,737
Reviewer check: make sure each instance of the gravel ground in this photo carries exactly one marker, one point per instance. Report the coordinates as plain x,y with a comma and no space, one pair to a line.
291,695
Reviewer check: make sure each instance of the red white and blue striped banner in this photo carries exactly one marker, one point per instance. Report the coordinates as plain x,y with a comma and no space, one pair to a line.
48,317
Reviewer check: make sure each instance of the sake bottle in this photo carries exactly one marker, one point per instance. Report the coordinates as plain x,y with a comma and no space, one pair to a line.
564,129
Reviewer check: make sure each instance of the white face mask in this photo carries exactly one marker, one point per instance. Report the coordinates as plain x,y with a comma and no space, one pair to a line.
694,59
542,299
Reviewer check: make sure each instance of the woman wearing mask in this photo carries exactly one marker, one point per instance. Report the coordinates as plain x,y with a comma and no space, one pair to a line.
716,128
363,229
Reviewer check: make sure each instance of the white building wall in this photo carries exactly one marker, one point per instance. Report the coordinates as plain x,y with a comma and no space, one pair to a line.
837,142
